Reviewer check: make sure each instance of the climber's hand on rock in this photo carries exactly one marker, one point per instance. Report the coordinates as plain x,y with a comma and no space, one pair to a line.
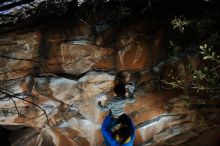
130,88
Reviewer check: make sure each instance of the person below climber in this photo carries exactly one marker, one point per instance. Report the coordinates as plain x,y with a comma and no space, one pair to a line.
122,134
117,104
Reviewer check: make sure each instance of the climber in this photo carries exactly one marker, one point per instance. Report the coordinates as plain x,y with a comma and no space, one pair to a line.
117,104
121,134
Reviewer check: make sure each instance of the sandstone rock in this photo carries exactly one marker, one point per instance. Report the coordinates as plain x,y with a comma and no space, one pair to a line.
71,108
27,137
139,55
68,137
181,125
206,138
148,131
149,106
74,59
68,30
172,132
48,137
18,53
87,128
82,95
106,63
55,95
136,50
52,71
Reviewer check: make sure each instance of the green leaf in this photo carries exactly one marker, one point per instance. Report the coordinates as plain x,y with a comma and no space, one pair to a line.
207,57
213,54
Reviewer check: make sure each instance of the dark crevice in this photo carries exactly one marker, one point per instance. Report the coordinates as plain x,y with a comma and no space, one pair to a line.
4,136
6,131
70,76
206,106
77,77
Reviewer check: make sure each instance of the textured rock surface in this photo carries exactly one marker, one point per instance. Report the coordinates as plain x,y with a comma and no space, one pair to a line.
137,47
74,58
18,54
51,80
160,117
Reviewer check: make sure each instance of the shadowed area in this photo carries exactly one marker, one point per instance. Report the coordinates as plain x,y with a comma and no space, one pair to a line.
59,58
4,136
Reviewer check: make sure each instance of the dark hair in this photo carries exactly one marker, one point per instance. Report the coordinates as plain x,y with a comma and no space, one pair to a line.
120,78
119,89
123,133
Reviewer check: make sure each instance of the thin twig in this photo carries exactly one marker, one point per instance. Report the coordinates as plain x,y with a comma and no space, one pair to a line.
18,112
15,96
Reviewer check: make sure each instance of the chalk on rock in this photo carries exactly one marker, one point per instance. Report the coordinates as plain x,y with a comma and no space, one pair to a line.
101,97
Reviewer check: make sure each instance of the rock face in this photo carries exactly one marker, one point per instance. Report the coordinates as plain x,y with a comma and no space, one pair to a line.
51,79
75,58
18,54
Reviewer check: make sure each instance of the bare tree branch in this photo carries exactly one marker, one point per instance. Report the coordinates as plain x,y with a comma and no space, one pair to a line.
11,96
18,112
